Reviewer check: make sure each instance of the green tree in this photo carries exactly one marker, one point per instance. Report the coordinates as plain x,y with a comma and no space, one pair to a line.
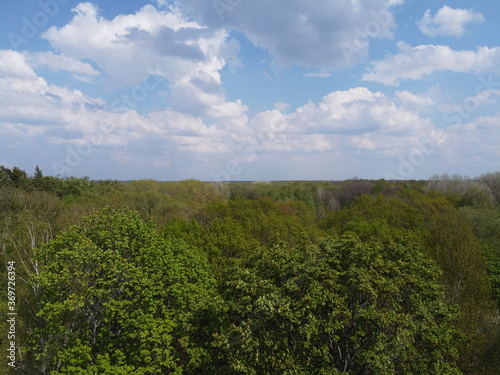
444,234
117,298
27,225
19,178
345,306
493,182
377,217
4,175
457,251
485,224
226,230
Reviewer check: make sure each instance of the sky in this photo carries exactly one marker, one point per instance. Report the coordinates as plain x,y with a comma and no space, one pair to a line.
220,90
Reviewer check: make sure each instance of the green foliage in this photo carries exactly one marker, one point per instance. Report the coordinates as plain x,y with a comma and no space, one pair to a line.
162,201
492,180
116,296
345,306
377,217
447,238
133,290
465,191
457,251
486,225
226,230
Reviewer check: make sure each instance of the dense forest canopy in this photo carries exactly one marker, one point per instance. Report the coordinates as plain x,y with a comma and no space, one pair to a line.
290,277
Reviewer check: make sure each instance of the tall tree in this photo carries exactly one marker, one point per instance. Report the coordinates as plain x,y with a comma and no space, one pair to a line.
345,306
116,298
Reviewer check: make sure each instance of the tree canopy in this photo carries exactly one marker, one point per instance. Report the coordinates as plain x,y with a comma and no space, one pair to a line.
344,306
115,297
287,277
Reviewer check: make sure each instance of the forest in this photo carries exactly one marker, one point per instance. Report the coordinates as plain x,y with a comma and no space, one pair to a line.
283,277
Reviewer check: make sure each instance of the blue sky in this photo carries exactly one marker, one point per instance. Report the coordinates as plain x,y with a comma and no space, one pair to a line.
250,90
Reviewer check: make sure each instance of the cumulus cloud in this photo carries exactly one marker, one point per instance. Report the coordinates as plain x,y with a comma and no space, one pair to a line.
448,21
76,131
29,99
13,64
72,130
81,71
350,122
413,63
33,109
326,34
356,111
197,130
349,130
130,47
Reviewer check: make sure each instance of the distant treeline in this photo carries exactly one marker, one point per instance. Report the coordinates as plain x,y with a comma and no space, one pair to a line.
291,277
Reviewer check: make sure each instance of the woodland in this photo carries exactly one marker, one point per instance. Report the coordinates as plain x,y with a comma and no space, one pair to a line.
283,277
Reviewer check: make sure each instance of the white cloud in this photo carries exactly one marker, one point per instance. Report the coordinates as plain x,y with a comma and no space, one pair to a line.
56,63
13,64
343,121
130,47
413,63
349,126
470,106
347,122
29,99
356,111
448,21
34,112
326,34
199,130
474,143
416,102
175,123
125,40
